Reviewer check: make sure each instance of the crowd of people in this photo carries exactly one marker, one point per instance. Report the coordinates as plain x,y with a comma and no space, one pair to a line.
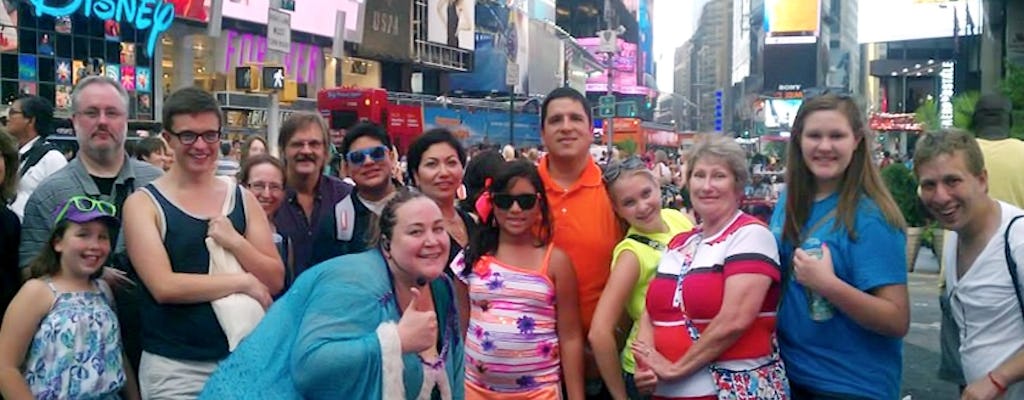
179,273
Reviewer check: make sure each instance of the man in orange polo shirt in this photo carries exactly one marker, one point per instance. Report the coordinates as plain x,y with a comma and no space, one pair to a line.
585,224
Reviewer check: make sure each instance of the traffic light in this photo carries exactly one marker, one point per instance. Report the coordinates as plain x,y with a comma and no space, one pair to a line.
246,78
273,78
290,92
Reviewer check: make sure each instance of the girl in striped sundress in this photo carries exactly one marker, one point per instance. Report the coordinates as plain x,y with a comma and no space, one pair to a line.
520,343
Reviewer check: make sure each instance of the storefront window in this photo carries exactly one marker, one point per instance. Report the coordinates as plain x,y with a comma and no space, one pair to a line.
46,56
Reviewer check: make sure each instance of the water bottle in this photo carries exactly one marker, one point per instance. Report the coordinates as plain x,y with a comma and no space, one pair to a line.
819,308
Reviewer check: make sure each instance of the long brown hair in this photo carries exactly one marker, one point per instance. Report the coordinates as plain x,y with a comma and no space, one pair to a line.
860,178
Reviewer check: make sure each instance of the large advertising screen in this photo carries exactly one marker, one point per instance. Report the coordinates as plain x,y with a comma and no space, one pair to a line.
791,21
387,31
625,65
452,22
782,74
780,113
502,34
315,17
483,125
886,20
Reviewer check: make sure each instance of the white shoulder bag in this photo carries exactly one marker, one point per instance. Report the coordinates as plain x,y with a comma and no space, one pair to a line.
237,313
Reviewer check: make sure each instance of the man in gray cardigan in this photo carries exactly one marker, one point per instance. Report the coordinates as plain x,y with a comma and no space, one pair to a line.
102,170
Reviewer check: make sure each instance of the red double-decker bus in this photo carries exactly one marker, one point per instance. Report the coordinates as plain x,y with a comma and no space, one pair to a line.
344,107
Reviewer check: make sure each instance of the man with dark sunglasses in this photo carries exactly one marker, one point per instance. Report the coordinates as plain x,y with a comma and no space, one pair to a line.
366,159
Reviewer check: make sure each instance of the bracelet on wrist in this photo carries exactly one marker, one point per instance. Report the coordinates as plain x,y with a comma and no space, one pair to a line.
1000,386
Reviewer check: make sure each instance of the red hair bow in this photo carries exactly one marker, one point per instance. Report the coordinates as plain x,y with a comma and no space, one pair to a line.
483,205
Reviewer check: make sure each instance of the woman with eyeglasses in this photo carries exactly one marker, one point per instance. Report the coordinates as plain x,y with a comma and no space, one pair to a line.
846,308
436,167
520,344
264,176
709,323
636,199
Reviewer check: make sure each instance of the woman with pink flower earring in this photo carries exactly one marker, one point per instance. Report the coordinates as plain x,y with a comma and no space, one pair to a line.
520,344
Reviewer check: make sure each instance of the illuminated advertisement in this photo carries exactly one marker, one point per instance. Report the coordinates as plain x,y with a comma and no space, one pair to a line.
302,62
646,36
502,34
932,19
791,21
315,17
780,113
625,65
452,22
152,15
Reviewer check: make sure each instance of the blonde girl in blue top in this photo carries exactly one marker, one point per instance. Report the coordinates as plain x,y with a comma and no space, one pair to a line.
60,336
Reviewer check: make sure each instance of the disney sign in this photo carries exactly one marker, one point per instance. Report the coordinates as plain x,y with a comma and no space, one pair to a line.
155,15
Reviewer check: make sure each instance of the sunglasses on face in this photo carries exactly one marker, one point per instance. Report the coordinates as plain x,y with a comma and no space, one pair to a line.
377,154
86,204
614,170
189,137
526,201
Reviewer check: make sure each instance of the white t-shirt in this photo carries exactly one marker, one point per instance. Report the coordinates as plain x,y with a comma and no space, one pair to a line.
52,161
984,303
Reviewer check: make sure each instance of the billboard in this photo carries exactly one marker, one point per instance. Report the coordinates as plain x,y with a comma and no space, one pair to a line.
791,21
502,34
625,66
932,19
452,22
783,75
780,113
543,10
472,127
315,17
387,30
546,59
646,29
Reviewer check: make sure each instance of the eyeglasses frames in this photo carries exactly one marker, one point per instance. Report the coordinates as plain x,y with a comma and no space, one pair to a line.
615,169
86,204
189,137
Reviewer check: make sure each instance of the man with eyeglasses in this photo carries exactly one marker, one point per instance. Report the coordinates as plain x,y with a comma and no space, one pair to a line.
167,227
30,121
310,195
101,171
366,158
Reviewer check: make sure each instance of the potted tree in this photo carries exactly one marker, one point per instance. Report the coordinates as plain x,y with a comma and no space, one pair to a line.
903,186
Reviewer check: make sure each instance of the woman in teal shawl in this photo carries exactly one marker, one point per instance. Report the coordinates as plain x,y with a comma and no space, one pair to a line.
381,324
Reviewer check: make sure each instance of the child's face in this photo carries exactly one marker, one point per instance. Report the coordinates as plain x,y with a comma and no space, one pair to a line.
518,219
84,248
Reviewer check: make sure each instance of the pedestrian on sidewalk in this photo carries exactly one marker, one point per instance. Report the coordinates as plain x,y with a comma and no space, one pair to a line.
986,256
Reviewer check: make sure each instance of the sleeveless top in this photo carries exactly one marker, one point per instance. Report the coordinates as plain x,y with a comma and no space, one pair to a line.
76,351
512,340
185,331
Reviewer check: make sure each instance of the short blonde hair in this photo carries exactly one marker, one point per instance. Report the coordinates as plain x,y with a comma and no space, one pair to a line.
723,148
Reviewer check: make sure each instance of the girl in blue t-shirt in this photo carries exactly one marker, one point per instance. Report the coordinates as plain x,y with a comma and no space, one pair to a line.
60,337
845,305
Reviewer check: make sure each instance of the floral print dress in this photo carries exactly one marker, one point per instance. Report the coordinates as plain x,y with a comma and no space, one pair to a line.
76,351
512,341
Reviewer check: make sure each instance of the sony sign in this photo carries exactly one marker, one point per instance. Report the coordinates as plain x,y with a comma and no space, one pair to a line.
946,95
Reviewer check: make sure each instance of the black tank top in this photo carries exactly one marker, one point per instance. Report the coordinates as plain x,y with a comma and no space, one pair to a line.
185,331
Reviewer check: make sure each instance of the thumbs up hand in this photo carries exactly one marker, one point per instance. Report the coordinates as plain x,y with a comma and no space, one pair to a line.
418,327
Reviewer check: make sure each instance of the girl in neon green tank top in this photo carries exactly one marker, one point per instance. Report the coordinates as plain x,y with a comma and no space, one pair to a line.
636,197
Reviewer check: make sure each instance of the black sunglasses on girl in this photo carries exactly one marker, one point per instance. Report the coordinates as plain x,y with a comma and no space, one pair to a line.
377,154
526,201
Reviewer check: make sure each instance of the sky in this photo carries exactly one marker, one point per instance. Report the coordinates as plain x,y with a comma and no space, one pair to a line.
673,25
878,21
